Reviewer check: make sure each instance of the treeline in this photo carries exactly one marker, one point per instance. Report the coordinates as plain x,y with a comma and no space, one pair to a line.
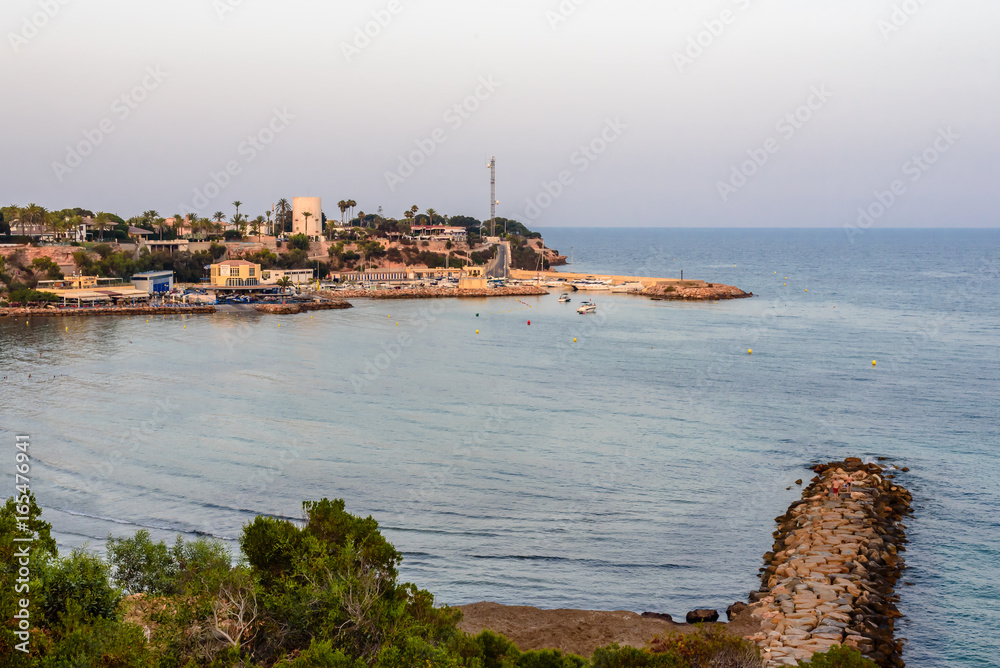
324,594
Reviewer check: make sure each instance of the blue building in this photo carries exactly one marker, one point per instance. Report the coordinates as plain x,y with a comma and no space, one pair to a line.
154,282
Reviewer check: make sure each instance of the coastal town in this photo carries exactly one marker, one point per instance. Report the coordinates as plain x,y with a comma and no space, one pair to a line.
75,261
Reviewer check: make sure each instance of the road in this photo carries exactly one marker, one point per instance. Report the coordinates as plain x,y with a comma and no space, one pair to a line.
498,266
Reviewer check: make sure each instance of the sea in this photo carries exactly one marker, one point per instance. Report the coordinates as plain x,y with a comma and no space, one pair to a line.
516,451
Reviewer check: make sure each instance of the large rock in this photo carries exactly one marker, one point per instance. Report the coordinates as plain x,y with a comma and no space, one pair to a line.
735,609
702,615
658,615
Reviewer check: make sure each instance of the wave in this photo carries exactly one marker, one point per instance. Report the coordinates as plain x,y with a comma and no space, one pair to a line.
577,560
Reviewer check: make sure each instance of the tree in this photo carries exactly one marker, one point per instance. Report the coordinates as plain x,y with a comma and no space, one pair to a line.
270,228
342,205
307,215
102,222
284,214
351,203
431,213
33,215
159,225
256,224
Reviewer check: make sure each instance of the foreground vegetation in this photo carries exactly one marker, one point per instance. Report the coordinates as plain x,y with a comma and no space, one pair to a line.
325,594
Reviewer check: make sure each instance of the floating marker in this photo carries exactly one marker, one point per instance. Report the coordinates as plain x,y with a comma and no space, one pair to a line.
750,351
807,290
477,315
477,331
574,340
874,362
529,323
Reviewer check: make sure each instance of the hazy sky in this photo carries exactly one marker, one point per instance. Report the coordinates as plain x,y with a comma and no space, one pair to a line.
126,105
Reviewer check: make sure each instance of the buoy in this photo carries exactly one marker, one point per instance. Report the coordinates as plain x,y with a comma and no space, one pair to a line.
574,340
477,315
807,290
185,326
874,362
750,351
529,323
279,324
477,331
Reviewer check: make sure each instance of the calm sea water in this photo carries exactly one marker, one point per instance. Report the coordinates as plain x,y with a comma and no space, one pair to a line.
639,468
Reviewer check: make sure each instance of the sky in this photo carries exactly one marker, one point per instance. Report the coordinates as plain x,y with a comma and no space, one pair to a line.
719,113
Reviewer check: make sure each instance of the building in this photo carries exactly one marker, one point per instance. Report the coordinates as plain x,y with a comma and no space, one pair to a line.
235,274
440,233
138,234
311,226
154,282
296,276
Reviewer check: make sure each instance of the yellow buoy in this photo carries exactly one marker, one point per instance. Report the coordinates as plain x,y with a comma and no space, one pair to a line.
807,290
279,324
477,331
750,351
185,326
874,362
574,340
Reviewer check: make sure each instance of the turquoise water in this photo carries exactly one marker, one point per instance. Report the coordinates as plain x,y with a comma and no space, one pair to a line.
639,468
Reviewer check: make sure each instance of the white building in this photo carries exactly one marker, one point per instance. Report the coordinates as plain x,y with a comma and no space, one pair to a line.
312,225
296,276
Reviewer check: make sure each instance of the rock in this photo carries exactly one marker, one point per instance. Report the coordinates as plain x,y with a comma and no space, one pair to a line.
659,615
735,609
702,615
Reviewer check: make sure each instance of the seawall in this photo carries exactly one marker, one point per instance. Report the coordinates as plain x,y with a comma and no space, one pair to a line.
438,293
830,577
128,310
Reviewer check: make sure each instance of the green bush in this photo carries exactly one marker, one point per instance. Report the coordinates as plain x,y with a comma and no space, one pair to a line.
550,658
299,242
142,566
838,656
630,657
81,579
321,655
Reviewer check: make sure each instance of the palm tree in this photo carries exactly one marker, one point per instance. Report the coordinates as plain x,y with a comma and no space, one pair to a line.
34,215
307,215
219,217
270,229
102,222
255,226
351,203
239,221
430,215
342,205
284,283
284,209
237,204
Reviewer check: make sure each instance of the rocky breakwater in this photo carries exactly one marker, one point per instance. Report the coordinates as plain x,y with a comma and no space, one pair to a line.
440,293
695,291
117,310
292,309
831,575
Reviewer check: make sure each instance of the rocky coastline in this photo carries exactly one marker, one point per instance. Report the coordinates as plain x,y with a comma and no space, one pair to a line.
437,293
830,577
292,309
694,291
26,312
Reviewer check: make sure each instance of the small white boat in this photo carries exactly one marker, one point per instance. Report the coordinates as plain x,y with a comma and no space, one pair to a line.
627,288
592,284
587,307
564,298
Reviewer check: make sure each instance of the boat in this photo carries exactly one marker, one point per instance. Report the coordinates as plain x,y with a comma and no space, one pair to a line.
587,307
628,288
564,298
591,284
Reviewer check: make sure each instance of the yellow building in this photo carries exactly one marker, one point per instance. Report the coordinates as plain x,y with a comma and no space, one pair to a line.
235,274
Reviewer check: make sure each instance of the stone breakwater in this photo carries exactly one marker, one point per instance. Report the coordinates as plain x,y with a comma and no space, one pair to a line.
125,310
695,291
831,575
292,309
439,293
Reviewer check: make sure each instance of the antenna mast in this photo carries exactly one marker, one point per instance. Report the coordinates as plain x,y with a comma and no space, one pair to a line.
493,195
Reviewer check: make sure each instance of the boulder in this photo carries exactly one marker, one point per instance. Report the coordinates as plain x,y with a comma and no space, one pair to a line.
735,609
702,615
658,615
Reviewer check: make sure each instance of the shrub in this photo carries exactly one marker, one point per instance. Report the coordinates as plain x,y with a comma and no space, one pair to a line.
839,657
299,241
706,645
670,289
630,657
142,566
232,235
81,579
550,658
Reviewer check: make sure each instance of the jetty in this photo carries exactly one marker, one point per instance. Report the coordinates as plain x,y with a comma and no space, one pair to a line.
70,312
670,289
830,577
